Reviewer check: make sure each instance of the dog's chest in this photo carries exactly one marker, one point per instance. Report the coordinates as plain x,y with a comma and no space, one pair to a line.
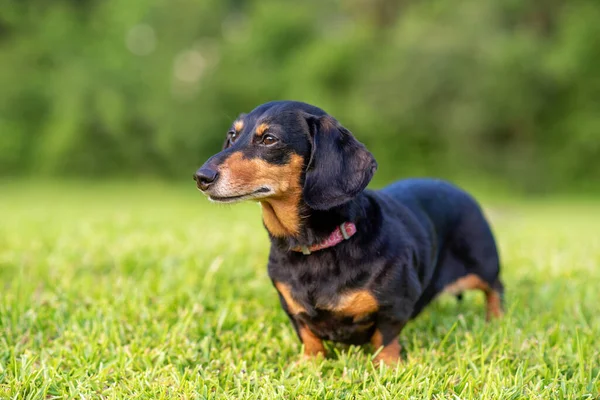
346,316
353,303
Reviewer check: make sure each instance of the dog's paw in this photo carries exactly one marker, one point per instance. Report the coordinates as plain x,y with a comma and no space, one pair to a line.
306,359
389,361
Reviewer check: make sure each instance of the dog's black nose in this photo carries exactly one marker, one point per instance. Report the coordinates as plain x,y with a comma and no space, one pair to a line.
205,177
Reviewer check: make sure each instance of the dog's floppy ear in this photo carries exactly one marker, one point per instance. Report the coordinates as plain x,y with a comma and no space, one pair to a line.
340,166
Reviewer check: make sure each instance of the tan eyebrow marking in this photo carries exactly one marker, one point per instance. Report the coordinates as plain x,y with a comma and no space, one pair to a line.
238,125
261,129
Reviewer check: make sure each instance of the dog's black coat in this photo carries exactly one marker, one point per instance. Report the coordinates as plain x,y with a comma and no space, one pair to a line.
413,237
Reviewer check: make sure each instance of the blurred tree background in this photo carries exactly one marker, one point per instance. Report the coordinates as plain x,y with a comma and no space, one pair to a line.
508,90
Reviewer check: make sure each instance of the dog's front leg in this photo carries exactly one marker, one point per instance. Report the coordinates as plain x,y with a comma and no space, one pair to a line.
386,339
313,345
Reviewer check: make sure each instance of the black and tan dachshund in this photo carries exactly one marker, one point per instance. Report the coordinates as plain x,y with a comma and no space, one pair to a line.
350,265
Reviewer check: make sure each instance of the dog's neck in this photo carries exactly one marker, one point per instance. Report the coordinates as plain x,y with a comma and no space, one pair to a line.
281,218
289,228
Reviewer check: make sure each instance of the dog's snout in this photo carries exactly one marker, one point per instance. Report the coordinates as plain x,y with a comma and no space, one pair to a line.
205,177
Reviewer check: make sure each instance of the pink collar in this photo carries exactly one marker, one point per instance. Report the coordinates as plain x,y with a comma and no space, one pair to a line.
341,233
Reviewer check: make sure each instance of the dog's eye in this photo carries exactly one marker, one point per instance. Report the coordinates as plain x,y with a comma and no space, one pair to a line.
268,140
233,135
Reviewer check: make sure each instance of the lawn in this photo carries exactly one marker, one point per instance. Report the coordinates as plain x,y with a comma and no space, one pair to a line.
149,291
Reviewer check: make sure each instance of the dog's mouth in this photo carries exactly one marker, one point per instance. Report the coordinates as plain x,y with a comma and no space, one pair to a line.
258,193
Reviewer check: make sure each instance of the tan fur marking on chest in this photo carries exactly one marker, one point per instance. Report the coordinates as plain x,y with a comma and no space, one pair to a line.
293,306
356,304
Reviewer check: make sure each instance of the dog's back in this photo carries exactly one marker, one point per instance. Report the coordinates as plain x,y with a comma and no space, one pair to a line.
433,201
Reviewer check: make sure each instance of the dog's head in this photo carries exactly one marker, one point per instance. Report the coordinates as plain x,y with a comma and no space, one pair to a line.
287,155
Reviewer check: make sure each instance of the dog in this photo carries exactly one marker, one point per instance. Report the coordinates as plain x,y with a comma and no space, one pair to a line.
350,265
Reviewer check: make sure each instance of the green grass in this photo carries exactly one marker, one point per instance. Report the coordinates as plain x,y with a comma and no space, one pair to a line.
124,291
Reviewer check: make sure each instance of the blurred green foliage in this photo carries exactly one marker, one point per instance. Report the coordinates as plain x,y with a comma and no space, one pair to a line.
506,89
